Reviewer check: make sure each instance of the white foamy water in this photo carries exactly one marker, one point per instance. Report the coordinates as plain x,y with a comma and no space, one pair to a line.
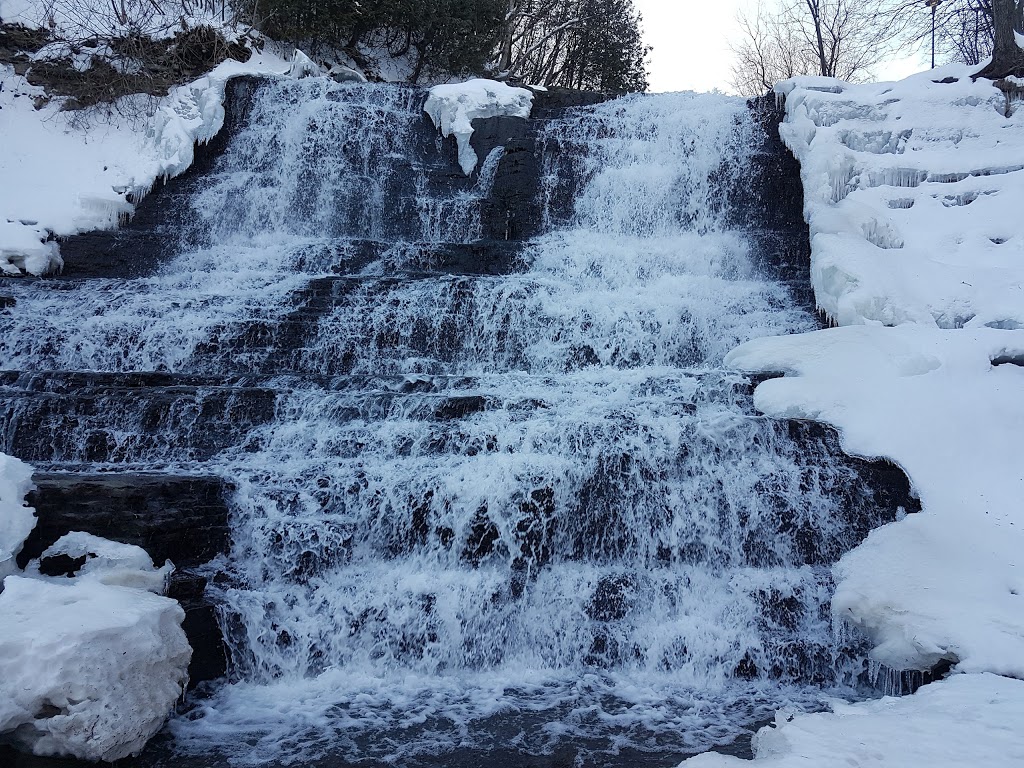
489,512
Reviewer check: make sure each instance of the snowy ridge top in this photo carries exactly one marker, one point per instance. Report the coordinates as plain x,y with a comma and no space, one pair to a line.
61,179
453,108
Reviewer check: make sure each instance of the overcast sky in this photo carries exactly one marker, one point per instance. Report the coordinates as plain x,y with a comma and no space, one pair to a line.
691,44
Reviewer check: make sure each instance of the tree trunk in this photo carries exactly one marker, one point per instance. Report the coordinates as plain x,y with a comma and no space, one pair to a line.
1007,56
814,6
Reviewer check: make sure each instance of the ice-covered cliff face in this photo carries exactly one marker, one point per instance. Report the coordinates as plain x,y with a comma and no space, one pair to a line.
499,505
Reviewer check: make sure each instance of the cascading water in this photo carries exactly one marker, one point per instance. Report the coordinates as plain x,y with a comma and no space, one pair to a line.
487,513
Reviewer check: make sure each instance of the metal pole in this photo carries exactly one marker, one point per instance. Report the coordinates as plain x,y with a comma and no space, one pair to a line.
933,4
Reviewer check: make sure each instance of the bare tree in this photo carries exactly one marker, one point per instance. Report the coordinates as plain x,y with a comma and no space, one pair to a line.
833,38
769,50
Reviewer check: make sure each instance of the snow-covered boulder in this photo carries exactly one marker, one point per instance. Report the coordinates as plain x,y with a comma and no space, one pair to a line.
25,248
454,107
343,74
90,666
87,669
108,562
16,519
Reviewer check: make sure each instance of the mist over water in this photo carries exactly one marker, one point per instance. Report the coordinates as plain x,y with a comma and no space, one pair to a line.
511,512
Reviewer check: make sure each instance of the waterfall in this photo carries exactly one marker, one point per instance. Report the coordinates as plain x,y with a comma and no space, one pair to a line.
471,511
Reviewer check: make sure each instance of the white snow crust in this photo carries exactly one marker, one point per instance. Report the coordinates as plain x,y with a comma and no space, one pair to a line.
967,720
58,178
87,669
16,519
946,583
454,107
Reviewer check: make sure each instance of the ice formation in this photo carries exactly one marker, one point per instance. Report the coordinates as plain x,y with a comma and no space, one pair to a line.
109,562
303,66
16,519
454,107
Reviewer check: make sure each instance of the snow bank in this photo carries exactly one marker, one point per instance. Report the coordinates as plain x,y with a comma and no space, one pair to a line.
61,179
912,193
16,519
965,720
92,665
87,669
454,107
949,582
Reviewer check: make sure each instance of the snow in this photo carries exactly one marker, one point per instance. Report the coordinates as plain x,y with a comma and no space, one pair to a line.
912,191
90,666
926,393
60,178
88,19
110,562
965,720
303,66
946,583
454,107
16,519
87,669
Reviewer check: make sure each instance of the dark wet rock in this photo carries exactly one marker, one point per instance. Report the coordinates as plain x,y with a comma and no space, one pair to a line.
209,654
178,518
61,565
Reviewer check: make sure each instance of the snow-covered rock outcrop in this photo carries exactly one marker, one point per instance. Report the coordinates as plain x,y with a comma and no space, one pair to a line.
912,195
453,108
912,191
60,177
90,666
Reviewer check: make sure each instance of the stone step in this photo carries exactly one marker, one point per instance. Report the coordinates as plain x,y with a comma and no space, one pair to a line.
109,423
181,518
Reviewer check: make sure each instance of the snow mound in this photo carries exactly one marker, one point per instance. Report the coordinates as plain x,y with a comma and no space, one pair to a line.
87,669
110,562
947,583
912,192
965,720
16,519
454,107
